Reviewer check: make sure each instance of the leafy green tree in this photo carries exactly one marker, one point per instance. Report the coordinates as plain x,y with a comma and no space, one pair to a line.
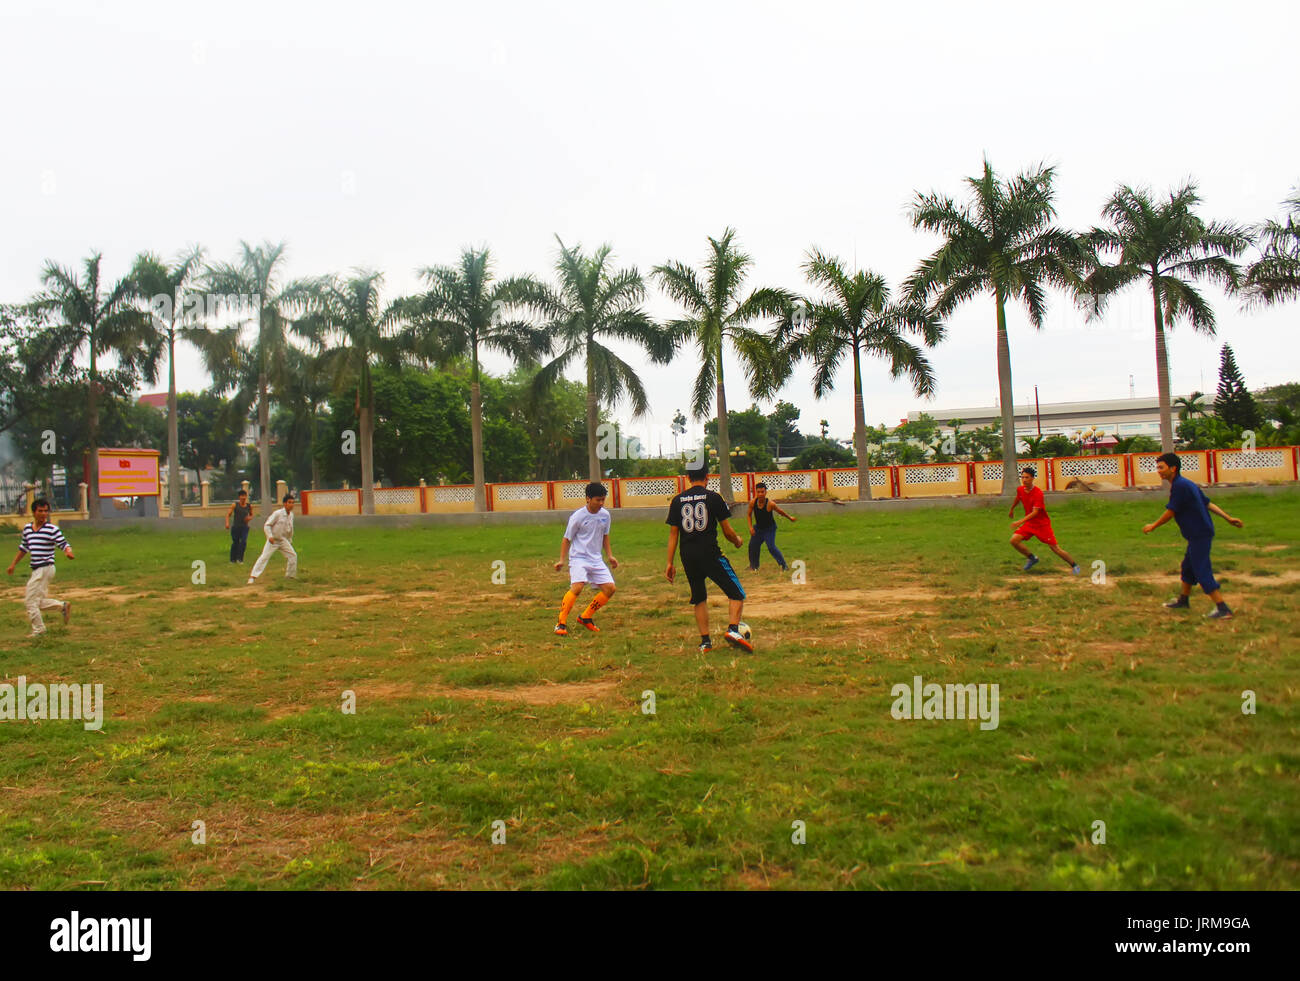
820,454
250,371
783,436
748,426
80,314
1275,276
717,311
1207,433
466,311
203,435
350,329
679,427
1167,245
1233,402
592,305
163,287
1001,243
859,319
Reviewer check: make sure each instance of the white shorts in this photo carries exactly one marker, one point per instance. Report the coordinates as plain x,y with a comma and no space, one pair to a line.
592,571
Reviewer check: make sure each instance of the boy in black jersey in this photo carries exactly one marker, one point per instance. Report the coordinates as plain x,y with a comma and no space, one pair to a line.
695,515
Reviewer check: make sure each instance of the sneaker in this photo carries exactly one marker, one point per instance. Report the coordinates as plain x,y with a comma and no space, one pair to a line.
1217,614
735,640
1075,569
1178,604
589,623
250,582
1030,562
34,634
562,630
705,648
67,613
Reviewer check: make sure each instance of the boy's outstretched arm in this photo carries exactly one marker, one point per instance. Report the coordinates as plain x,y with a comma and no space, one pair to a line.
782,513
1215,509
564,553
609,550
17,558
730,532
1167,516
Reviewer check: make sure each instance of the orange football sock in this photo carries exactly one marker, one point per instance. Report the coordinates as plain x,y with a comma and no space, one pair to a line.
600,600
567,606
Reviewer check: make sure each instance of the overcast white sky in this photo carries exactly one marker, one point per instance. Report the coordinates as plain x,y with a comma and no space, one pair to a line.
389,135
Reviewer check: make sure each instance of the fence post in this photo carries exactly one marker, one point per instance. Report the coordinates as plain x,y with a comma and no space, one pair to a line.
424,491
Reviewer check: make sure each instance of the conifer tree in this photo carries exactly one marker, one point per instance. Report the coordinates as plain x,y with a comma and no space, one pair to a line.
1233,403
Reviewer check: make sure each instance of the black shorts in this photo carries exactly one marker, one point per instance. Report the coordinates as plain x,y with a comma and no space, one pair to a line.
716,568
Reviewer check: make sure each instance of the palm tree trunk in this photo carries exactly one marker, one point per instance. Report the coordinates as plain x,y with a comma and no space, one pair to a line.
264,442
593,419
368,456
173,435
1007,397
315,464
1162,371
724,439
860,429
92,425
476,435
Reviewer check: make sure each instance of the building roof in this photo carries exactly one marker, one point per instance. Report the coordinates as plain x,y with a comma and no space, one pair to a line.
157,399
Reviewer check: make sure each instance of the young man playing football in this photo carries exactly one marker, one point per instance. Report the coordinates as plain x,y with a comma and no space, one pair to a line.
1036,524
40,539
695,516
585,537
1189,506
762,527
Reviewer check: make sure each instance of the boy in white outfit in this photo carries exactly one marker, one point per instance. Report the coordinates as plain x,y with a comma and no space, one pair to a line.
586,537
279,538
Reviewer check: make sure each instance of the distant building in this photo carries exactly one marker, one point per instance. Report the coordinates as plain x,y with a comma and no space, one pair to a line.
1116,417
157,399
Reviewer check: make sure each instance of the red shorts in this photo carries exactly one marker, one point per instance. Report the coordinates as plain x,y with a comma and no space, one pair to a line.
1040,529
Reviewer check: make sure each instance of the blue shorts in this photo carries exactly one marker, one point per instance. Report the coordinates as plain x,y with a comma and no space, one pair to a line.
1196,564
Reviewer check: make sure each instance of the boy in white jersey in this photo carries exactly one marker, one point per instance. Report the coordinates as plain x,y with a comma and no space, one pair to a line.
279,538
585,538
40,539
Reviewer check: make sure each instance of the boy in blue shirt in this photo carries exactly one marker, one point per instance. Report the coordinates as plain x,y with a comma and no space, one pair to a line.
1189,506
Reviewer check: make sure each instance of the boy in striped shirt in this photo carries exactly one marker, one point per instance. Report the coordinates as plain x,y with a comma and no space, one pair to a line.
39,539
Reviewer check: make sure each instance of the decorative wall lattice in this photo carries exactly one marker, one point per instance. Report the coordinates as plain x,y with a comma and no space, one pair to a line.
737,485
334,499
452,495
790,481
1259,460
849,478
397,495
520,492
990,471
1093,466
1190,463
576,491
652,487
931,475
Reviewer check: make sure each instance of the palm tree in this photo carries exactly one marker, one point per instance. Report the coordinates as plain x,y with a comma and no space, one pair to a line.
350,329
99,322
1190,406
464,313
595,303
255,276
163,288
1275,276
1002,242
860,319
1168,245
715,313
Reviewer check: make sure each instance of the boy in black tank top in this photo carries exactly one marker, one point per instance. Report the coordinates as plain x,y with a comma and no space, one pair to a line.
237,520
762,527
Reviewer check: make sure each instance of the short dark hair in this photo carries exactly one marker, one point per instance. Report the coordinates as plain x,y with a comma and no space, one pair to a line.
696,474
286,499
760,484
1170,460
242,493
595,489
1029,470
40,502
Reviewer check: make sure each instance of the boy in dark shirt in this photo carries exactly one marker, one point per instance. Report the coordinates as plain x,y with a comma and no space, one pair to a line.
1189,506
238,516
695,516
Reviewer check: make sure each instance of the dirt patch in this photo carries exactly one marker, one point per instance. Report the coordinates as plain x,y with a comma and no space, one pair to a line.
859,604
1256,548
568,693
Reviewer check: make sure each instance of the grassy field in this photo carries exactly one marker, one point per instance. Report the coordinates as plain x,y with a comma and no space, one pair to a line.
223,705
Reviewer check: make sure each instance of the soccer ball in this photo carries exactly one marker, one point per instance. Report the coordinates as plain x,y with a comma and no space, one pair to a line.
744,631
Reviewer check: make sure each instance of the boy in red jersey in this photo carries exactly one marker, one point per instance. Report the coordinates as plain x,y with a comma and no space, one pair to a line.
1036,524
